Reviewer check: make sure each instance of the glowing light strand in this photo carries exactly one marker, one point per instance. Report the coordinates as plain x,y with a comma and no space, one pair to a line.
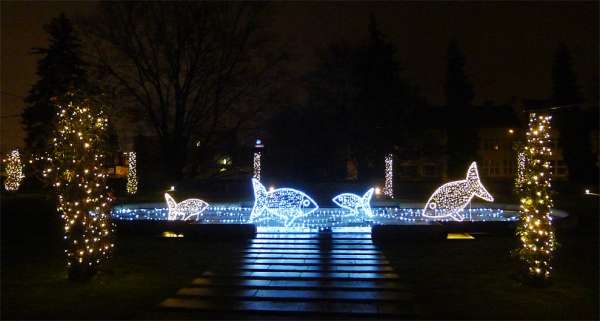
132,182
285,205
388,187
77,169
450,199
355,202
257,165
535,224
14,171
186,209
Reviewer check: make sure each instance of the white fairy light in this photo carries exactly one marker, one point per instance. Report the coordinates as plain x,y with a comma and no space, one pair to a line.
283,204
132,183
520,176
450,199
354,202
14,171
256,174
388,188
535,229
185,209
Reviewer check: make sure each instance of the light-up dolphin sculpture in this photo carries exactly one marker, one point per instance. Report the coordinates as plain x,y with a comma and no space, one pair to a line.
451,198
285,204
185,209
355,202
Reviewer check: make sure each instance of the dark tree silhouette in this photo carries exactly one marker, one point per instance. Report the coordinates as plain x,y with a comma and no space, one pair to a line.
356,109
190,70
461,129
60,68
572,123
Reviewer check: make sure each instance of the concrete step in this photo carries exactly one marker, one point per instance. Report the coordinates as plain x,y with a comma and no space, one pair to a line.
310,251
347,285
264,255
296,295
324,268
312,246
335,236
311,241
287,275
316,262
297,308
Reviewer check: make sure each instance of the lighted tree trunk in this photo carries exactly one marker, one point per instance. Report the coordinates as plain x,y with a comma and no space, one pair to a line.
77,170
535,225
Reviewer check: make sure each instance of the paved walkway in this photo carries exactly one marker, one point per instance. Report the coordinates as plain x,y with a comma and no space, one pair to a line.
300,275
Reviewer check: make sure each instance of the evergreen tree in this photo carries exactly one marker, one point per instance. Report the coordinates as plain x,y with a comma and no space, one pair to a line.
59,69
572,122
461,129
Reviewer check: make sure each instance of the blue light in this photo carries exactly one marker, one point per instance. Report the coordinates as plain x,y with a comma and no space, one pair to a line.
285,205
354,202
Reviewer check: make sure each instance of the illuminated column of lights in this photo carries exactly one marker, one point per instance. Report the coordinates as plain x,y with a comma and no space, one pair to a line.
520,178
535,224
388,187
256,160
132,182
14,171
77,170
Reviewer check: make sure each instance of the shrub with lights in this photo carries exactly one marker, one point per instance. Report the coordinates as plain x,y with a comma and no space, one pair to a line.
534,187
78,175
14,171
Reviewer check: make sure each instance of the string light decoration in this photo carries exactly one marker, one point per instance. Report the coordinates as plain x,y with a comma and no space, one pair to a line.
185,210
14,171
388,187
77,170
520,177
227,213
282,204
132,183
354,202
535,224
256,162
450,199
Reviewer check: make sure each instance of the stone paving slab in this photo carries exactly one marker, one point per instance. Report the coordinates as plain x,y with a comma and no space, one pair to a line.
299,284
297,275
296,308
295,295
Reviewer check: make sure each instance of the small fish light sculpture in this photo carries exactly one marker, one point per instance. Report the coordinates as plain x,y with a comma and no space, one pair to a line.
451,198
185,209
355,202
286,204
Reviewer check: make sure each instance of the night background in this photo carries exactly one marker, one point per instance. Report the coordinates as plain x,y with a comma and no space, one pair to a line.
196,98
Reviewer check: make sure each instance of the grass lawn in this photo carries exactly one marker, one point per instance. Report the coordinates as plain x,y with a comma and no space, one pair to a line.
470,279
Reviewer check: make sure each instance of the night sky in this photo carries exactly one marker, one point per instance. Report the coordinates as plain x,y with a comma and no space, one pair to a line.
509,47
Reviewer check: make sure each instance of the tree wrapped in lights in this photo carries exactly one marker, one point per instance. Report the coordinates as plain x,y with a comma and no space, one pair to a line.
535,224
77,170
14,171
132,183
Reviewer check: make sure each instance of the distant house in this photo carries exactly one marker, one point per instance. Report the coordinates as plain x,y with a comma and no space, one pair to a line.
501,128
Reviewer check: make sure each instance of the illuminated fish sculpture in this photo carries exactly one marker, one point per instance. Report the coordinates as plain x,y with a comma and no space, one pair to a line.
451,198
285,204
185,209
355,202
